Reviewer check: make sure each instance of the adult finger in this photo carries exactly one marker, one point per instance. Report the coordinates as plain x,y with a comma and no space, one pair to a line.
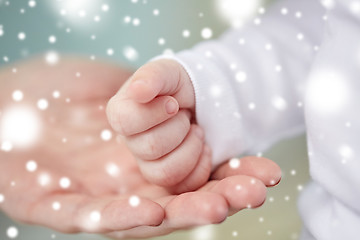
210,205
240,191
258,167
22,188
74,77
184,211
76,212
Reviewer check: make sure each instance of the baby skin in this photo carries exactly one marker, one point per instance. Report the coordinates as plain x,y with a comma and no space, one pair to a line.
154,112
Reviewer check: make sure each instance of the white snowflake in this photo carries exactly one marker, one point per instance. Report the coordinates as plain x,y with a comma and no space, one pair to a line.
97,18
257,21
355,7
106,135
215,91
234,163
21,36
110,51
235,12
52,39
32,3
300,36
112,169
156,12
52,58
252,106
242,41
95,216
12,232
134,201
241,76
161,41
328,3
17,95
105,8
56,94
42,104
44,179
186,33
6,146
206,33
279,103
278,68
136,22
56,206
31,166
284,11
346,151
327,91
268,47
64,182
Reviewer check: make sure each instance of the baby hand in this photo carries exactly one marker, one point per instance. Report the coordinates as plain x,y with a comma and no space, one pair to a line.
153,111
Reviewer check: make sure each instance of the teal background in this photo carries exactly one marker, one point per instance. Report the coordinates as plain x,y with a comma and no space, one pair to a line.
111,32
277,219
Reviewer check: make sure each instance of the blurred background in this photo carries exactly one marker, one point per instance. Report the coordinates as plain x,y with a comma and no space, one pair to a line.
130,32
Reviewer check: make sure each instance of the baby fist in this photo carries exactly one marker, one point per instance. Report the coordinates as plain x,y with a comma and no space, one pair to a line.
153,111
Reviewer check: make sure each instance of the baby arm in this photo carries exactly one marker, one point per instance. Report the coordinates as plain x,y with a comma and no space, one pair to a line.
248,87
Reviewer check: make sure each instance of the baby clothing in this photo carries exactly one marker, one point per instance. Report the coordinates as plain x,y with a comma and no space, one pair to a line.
295,68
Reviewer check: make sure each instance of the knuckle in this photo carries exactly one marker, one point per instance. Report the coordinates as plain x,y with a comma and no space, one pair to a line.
153,148
168,177
205,172
161,175
152,69
184,122
155,175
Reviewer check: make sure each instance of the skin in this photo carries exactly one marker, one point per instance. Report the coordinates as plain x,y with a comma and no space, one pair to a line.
154,112
84,156
169,146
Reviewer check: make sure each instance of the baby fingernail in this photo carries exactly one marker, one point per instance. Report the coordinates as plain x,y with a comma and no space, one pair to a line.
171,106
199,132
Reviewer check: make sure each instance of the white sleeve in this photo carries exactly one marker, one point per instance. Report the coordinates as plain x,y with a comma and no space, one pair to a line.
330,205
249,84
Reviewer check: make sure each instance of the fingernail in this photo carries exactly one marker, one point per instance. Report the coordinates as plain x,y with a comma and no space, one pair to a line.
199,132
171,106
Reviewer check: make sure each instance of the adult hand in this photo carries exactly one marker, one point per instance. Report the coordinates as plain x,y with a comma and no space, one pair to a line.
85,184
